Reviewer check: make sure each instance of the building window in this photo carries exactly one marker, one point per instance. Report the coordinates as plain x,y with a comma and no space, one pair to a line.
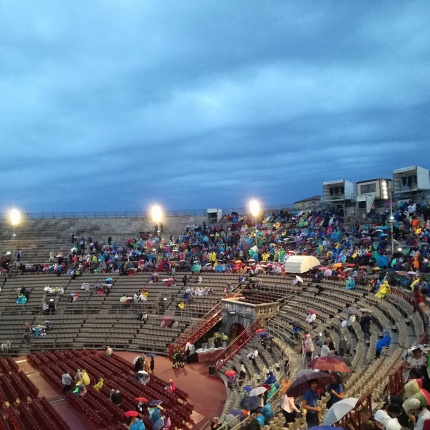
368,188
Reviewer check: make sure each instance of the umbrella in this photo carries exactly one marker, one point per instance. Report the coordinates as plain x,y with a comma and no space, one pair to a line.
247,388
250,403
426,394
413,273
142,372
337,265
312,311
150,355
339,410
348,269
335,364
328,428
257,391
237,413
323,268
263,334
301,384
350,265
154,403
402,273
142,399
230,373
260,330
348,311
136,358
299,279
131,414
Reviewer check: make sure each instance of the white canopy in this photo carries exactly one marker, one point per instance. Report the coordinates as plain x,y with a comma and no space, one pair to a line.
300,263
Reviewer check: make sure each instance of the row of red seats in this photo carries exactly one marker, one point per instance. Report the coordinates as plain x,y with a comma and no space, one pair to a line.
7,364
52,413
82,408
15,422
31,388
8,388
24,418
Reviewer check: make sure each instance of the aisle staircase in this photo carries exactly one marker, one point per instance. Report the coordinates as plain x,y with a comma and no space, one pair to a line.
198,330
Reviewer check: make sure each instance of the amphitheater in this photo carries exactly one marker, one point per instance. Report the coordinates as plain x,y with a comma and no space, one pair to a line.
30,372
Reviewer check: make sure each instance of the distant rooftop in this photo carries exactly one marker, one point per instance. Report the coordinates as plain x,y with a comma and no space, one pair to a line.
309,199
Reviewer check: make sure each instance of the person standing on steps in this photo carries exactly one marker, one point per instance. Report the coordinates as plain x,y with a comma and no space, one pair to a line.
152,365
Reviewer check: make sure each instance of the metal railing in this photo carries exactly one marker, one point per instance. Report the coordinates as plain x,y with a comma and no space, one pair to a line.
235,346
396,383
212,315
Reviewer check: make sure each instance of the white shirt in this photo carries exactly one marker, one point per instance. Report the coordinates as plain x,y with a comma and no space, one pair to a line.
288,404
325,351
66,379
422,416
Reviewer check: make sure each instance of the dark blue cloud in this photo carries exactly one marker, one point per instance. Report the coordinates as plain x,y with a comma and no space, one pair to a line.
113,105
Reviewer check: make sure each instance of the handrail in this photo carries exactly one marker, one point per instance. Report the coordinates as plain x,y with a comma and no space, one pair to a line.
235,345
396,384
215,312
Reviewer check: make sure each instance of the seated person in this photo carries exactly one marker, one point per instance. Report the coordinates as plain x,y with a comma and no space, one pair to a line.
416,363
170,387
115,397
108,352
99,385
348,322
22,300
311,318
80,390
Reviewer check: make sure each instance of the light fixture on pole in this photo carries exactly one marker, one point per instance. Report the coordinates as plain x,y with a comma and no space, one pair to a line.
386,195
255,208
157,216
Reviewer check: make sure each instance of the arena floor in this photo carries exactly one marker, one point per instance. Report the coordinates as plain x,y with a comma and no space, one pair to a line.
206,393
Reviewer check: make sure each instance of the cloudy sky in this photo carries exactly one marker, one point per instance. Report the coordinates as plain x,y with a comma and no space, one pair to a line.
112,105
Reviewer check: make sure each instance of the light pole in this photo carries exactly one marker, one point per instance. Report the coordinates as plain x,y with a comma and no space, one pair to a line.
157,216
386,195
15,218
254,208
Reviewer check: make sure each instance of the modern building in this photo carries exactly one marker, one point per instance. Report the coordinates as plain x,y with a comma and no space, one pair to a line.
411,182
370,191
338,193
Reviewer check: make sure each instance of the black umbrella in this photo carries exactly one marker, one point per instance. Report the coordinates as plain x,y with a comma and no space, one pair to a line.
250,403
301,384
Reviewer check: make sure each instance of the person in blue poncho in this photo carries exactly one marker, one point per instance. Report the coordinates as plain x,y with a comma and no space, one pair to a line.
385,341
271,378
350,283
137,424
155,415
